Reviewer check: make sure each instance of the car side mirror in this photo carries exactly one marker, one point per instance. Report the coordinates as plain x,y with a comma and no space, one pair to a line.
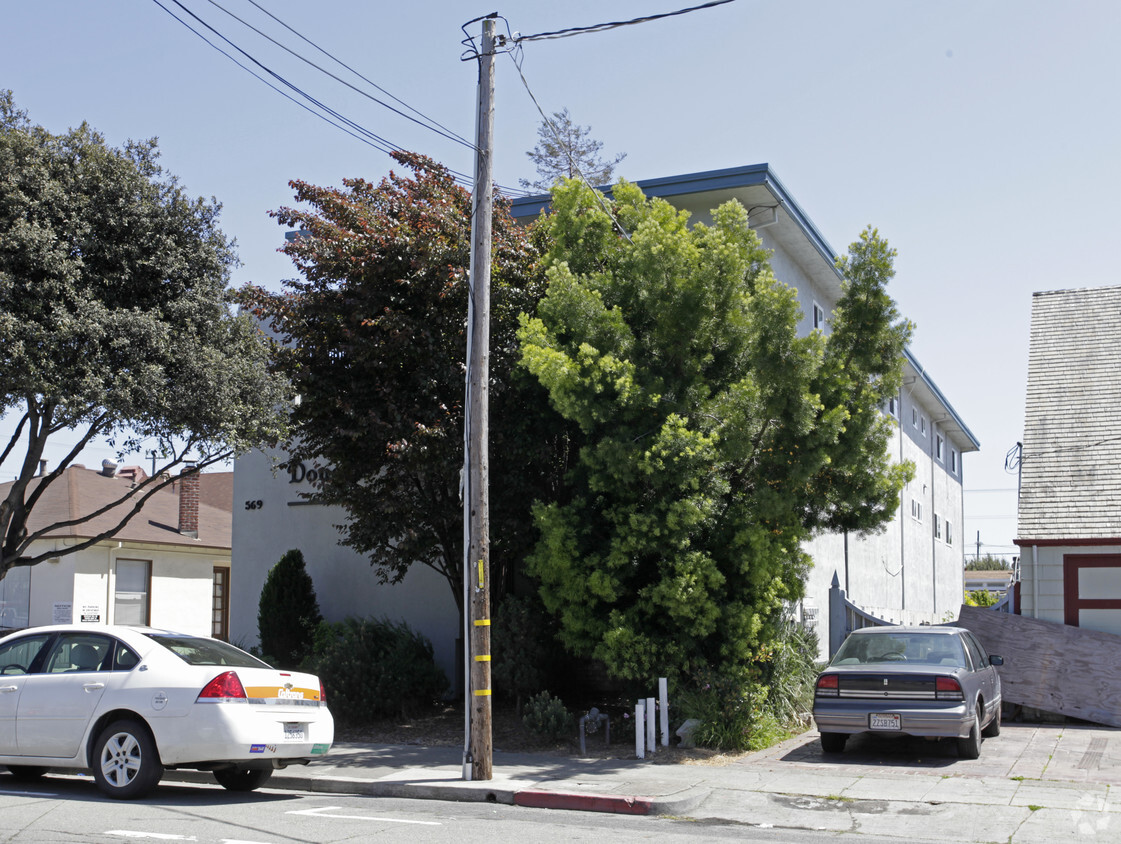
996,660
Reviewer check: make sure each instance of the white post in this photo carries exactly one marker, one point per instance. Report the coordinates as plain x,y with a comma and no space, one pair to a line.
639,729
651,713
663,701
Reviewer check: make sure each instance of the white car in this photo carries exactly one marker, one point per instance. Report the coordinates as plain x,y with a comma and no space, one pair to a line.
128,702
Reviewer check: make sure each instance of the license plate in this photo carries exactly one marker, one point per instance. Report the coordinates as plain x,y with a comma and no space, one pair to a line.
883,721
294,732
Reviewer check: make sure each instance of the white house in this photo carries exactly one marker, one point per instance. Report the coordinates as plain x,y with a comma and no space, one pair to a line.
912,572
168,567
1069,521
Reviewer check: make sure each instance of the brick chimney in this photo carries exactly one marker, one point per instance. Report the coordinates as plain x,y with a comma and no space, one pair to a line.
189,501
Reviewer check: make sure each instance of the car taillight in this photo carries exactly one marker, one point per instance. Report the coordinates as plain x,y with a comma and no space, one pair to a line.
224,687
322,693
947,688
828,685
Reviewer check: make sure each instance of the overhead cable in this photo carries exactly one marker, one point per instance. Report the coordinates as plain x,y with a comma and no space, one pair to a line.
603,27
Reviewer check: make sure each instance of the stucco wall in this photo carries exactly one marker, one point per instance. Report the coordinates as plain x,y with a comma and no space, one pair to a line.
180,591
345,583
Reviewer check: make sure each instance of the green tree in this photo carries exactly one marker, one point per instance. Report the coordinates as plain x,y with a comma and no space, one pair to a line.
288,611
987,562
714,440
375,344
115,322
564,150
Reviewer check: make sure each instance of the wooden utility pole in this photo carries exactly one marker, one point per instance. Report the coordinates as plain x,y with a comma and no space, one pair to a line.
476,501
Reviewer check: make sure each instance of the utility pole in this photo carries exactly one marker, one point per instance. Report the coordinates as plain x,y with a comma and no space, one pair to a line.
476,569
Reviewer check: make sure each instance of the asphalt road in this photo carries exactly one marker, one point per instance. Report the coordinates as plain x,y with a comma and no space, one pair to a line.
69,809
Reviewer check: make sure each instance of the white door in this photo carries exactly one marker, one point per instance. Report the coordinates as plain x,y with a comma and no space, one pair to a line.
56,704
17,659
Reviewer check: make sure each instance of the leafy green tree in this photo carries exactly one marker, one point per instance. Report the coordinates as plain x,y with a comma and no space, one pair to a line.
564,150
374,341
981,598
115,323
987,562
714,441
288,611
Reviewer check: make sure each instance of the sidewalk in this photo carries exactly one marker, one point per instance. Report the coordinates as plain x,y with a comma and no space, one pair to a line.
1034,783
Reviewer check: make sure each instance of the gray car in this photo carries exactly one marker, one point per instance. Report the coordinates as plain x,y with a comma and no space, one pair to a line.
918,681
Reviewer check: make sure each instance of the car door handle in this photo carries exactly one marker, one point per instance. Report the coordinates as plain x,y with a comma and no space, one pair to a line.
93,687
9,688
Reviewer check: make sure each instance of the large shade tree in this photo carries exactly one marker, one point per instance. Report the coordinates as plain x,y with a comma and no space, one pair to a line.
374,338
717,438
115,323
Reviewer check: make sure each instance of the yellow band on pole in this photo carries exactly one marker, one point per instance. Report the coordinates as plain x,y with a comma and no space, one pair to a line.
480,574
482,622
482,693
485,658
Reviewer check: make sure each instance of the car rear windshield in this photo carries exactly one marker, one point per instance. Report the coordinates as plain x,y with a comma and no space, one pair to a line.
923,648
198,651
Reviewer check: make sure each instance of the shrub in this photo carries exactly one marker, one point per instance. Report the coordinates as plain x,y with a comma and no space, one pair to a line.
981,598
546,717
761,705
375,668
521,646
288,612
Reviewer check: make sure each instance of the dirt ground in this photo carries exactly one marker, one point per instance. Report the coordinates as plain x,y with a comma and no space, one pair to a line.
444,728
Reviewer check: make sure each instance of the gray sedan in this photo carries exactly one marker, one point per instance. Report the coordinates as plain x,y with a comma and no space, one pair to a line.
919,681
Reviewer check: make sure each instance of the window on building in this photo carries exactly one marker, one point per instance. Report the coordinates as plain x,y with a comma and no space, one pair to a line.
819,316
916,509
953,461
131,603
922,424
220,609
937,526
914,417
938,446
893,406
949,533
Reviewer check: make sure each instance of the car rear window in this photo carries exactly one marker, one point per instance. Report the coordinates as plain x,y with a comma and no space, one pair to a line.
199,651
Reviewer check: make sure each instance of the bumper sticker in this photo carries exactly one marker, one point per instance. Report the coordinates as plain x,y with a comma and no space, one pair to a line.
320,748
256,748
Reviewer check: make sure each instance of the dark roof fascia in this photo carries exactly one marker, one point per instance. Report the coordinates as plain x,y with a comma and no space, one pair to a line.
751,175
1055,543
930,385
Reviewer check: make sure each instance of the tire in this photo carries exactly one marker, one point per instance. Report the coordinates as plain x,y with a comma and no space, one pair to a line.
126,764
970,746
833,742
242,779
27,773
992,730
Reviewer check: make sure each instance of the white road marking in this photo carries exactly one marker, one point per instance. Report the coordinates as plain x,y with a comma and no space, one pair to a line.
162,836
6,793
322,811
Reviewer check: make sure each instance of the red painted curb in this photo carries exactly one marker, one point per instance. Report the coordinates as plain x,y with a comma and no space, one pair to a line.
584,802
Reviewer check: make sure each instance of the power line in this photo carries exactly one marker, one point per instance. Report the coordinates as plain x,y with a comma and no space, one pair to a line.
425,122
603,27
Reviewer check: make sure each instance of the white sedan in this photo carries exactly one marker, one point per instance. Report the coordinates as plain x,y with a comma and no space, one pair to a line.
128,702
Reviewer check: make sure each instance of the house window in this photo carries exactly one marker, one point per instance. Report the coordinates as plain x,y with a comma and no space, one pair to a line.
937,526
916,509
819,316
922,425
131,599
893,406
914,418
953,462
949,533
938,446
220,607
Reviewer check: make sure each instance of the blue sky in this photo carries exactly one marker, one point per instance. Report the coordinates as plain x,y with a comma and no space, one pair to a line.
980,136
